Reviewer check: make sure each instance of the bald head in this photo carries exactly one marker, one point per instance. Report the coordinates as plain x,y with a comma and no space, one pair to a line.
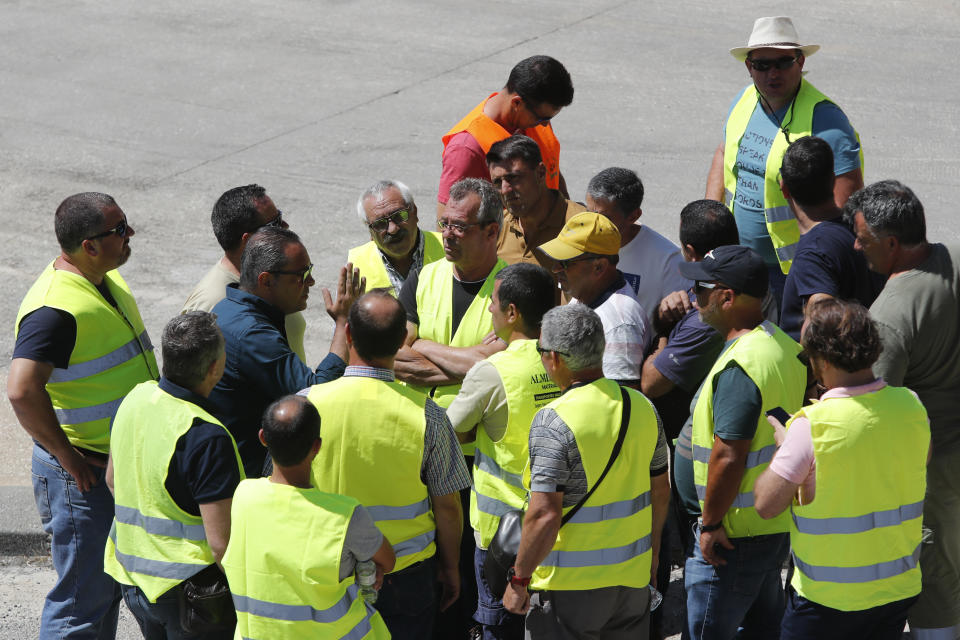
290,427
377,325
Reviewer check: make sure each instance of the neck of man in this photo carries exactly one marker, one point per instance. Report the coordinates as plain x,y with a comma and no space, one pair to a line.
81,267
532,222
477,272
403,263
772,105
740,324
910,258
356,360
520,332
810,216
231,261
298,476
599,286
498,109
629,234
584,376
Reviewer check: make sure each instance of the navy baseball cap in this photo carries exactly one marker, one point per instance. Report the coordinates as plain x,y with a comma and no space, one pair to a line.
740,268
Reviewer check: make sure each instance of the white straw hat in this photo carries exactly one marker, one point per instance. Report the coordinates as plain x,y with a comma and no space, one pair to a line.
773,33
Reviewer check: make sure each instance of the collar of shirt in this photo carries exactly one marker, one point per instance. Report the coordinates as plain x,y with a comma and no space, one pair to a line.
274,315
850,392
357,371
416,264
183,394
617,284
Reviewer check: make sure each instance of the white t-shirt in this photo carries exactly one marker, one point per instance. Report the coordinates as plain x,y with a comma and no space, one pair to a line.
625,330
651,266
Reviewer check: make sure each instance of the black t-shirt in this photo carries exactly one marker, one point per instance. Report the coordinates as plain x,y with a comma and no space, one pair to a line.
463,295
203,468
826,262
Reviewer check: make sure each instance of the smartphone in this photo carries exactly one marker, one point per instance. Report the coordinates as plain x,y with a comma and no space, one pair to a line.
779,414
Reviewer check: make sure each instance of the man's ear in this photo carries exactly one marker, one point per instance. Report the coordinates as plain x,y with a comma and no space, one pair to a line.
90,248
784,189
541,171
511,313
262,439
265,279
349,335
634,216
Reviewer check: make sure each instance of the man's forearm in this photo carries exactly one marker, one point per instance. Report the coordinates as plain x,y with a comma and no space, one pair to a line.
456,361
715,177
540,527
35,413
659,505
338,344
654,384
413,367
726,469
449,519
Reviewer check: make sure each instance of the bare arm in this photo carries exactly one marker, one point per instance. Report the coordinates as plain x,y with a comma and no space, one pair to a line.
845,185
413,367
108,476
540,527
772,494
449,517
385,559
715,176
654,384
216,525
660,504
727,465
350,286
456,361
31,403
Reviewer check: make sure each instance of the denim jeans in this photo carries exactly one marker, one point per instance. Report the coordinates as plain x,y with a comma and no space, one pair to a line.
497,623
85,601
160,620
746,594
408,601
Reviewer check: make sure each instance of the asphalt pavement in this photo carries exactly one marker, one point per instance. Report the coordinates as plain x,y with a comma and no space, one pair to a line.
166,105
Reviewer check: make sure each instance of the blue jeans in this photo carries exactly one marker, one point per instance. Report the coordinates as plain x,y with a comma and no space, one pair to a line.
807,619
746,594
85,601
497,622
408,601
160,620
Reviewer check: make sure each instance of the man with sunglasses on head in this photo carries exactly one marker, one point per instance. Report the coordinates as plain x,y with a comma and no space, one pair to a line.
397,246
733,579
537,89
779,107
80,347
237,215
275,280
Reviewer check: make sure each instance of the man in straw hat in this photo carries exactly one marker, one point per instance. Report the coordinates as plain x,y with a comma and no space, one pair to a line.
780,107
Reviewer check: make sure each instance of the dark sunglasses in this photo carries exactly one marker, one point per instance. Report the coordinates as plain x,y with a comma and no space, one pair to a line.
277,222
397,217
303,274
540,118
700,285
782,64
120,230
565,264
542,351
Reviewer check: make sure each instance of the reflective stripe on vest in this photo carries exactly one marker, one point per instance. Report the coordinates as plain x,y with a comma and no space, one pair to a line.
769,357
112,352
283,565
368,259
487,132
608,542
780,221
856,544
153,543
373,449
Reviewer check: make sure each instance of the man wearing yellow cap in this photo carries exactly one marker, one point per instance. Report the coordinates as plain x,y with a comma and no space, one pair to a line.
586,255
778,108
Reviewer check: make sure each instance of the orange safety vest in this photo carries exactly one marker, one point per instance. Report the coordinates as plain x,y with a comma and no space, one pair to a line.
487,132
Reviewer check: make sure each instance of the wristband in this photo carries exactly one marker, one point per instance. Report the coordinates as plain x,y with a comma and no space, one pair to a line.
516,580
707,528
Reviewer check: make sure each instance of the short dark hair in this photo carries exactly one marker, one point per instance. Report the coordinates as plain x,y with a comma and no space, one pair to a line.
706,225
807,171
842,333
620,186
235,214
191,342
79,217
541,79
889,208
290,437
516,146
265,251
530,288
377,335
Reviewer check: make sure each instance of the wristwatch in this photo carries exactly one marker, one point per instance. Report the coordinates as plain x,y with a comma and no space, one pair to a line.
707,528
516,580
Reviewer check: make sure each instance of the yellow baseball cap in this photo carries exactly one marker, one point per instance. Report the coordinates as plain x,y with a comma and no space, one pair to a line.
586,232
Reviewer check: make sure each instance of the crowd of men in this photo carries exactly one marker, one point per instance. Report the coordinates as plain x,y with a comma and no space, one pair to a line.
787,378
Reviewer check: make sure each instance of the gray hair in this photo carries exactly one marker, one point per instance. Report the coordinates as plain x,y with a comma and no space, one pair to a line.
377,190
491,205
191,342
622,187
265,251
890,208
576,331
79,217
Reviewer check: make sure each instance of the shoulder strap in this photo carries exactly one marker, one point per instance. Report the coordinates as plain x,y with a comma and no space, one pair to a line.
624,421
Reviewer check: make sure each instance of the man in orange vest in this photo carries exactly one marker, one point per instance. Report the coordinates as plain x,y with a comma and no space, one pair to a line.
537,89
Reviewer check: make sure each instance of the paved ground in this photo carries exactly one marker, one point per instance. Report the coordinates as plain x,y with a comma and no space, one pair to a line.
166,105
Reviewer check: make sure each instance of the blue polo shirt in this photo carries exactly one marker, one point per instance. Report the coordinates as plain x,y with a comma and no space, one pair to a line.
261,367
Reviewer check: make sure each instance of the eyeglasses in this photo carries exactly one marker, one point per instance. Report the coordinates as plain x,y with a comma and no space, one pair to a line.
120,230
763,64
542,351
540,119
565,264
457,228
700,285
303,274
397,217
277,222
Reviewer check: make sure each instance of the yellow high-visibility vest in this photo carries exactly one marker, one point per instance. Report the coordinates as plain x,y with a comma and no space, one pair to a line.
367,258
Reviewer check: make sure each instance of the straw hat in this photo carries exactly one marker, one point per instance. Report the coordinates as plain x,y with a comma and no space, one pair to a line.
773,33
